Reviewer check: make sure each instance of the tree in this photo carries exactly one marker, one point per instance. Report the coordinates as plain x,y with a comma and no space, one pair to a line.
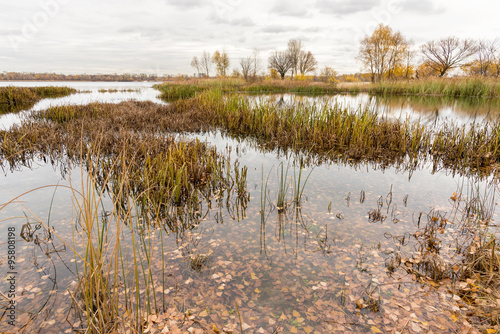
221,61
307,63
281,61
206,62
256,62
246,67
196,65
294,50
486,55
328,74
448,53
382,52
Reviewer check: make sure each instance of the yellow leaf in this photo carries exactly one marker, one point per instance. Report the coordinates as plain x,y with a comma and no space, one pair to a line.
375,330
257,290
308,329
254,277
283,317
454,318
296,314
293,330
491,331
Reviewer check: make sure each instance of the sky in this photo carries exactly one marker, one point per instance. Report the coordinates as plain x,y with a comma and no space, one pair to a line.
162,36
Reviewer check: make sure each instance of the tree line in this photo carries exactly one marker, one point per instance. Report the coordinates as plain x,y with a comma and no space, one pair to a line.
387,54
126,77
294,60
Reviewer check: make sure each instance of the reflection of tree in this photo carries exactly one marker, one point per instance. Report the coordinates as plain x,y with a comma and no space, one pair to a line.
429,106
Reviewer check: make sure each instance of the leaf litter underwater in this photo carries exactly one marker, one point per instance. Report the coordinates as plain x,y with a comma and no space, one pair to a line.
321,266
342,252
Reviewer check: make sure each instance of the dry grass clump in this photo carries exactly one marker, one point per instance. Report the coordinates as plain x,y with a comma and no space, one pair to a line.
166,170
13,99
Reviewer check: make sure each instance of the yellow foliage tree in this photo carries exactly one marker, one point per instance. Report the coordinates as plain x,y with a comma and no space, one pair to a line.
221,61
383,51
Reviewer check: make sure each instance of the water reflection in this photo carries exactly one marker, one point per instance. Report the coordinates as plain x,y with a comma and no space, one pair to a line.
428,110
89,92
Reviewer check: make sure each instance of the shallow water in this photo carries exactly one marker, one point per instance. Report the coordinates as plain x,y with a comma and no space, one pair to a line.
431,111
304,270
88,92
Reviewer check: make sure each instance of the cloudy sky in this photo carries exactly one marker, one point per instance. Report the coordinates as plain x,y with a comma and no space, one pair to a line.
162,36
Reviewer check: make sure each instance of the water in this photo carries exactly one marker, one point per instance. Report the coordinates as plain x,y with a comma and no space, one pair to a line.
306,270
88,92
431,111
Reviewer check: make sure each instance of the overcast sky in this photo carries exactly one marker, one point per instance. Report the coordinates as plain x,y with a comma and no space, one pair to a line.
162,36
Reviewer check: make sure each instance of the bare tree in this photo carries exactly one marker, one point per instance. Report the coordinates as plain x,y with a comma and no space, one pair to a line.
486,55
448,53
256,62
196,65
206,62
246,67
294,49
307,62
281,62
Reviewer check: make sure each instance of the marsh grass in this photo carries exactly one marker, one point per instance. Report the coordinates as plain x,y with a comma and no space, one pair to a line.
456,87
478,87
172,91
335,132
14,99
147,183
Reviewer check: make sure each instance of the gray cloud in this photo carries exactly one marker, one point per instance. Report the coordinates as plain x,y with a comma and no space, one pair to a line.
185,3
423,6
288,8
238,21
278,29
343,7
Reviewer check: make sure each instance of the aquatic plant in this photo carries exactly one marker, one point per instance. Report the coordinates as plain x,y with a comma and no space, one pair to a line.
13,99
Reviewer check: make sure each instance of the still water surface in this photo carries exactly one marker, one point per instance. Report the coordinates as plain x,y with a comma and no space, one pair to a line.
301,270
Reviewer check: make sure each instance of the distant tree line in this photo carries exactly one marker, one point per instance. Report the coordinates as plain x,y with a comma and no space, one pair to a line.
14,76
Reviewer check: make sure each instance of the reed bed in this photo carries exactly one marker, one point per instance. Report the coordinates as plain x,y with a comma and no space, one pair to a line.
165,169
477,87
172,91
333,132
13,99
156,183
456,87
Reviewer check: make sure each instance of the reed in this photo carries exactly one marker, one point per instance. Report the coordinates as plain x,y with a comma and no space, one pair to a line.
148,183
13,99
456,87
172,92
